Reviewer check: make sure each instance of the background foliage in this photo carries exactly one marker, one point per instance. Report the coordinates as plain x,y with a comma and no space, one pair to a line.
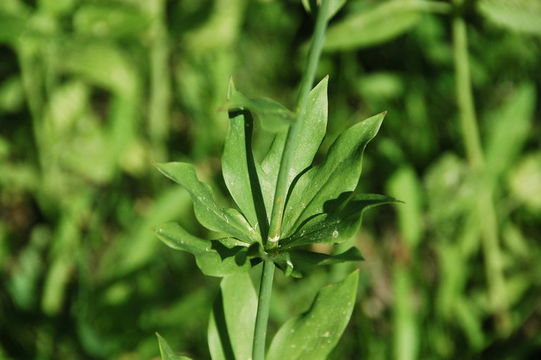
92,92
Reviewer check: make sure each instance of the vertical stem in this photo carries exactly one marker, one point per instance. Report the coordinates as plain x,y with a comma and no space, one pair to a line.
263,305
159,82
474,153
316,47
267,274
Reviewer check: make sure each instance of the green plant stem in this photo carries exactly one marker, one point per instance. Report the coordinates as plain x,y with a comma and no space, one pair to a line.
263,305
160,93
474,153
316,47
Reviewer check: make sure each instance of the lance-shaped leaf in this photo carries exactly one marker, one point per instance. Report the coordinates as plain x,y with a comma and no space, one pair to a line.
379,24
523,16
338,224
339,173
208,213
269,168
299,263
166,352
214,258
315,333
273,116
232,321
240,173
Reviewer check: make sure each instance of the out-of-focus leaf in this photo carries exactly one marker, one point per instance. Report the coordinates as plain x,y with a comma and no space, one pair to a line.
239,170
11,94
273,116
166,352
517,15
11,27
334,6
405,183
299,263
379,24
110,19
102,63
232,321
213,258
315,333
509,129
339,173
525,181
57,7
337,224
207,211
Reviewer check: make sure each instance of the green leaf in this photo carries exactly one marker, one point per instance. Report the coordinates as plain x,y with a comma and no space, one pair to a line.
339,173
166,352
510,127
379,24
335,225
299,263
214,258
517,15
239,171
273,116
232,321
207,211
11,27
110,20
315,333
309,131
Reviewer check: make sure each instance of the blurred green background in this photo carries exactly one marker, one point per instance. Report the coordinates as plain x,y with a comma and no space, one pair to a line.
92,92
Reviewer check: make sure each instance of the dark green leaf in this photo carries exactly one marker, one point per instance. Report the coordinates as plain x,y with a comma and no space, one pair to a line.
339,173
339,223
212,257
315,333
207,211
299,263
232,321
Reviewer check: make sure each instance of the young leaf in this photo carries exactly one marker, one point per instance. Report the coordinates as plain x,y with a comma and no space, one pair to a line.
239,170
335,226
315,333
166,352
339,173
523,16
382,23
207,211
232,321
214,258
273,116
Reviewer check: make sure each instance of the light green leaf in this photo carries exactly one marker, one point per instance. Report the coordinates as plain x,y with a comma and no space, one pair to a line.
268,171
212,257
518,15
379,24
11,27
109,20
510,126
335,225
207,211
299,263
239,170
232,321
309,130
273,116
339,173
315,333
166,352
